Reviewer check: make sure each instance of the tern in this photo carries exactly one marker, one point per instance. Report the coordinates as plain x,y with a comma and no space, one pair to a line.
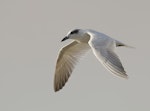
84,40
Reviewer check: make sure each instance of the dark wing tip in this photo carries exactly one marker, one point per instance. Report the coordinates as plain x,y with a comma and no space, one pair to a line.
57,88
59,84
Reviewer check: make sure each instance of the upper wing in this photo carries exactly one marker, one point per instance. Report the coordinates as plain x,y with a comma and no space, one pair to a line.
68,57
106,55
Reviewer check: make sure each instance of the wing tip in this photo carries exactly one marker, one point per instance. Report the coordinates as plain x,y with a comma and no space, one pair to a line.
57,89
124,76
59,85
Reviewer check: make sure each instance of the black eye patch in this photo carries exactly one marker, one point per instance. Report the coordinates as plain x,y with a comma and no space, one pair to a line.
74,31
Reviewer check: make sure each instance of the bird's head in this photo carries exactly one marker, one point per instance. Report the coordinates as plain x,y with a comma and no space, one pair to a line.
76,34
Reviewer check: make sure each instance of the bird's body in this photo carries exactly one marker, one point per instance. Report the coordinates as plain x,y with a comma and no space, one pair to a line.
84,40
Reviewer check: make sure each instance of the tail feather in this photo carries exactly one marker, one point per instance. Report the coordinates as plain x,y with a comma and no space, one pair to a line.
120,44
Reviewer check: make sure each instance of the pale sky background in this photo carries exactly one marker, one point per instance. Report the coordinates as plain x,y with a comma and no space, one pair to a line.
30,35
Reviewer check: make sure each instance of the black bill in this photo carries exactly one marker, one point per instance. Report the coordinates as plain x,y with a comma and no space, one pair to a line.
65,38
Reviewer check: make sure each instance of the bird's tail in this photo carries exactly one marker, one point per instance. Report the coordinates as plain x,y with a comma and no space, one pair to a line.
120,44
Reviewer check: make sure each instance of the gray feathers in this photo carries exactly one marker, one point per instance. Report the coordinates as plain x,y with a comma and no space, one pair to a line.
102,46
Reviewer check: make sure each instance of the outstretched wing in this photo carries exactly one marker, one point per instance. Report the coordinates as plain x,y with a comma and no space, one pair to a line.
68,57
104,51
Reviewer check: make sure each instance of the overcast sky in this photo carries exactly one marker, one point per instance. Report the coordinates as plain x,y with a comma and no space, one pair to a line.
30,35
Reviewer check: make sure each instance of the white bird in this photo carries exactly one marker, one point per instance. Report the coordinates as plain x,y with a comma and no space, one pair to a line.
84,40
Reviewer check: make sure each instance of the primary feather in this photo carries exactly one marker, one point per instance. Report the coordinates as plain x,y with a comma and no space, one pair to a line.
102,46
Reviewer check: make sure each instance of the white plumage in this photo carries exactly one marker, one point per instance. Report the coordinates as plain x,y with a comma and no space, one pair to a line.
102,46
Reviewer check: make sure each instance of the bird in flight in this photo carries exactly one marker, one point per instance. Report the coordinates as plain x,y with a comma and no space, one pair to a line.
84,40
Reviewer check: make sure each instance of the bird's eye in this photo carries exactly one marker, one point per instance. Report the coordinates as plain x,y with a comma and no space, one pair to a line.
75,31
